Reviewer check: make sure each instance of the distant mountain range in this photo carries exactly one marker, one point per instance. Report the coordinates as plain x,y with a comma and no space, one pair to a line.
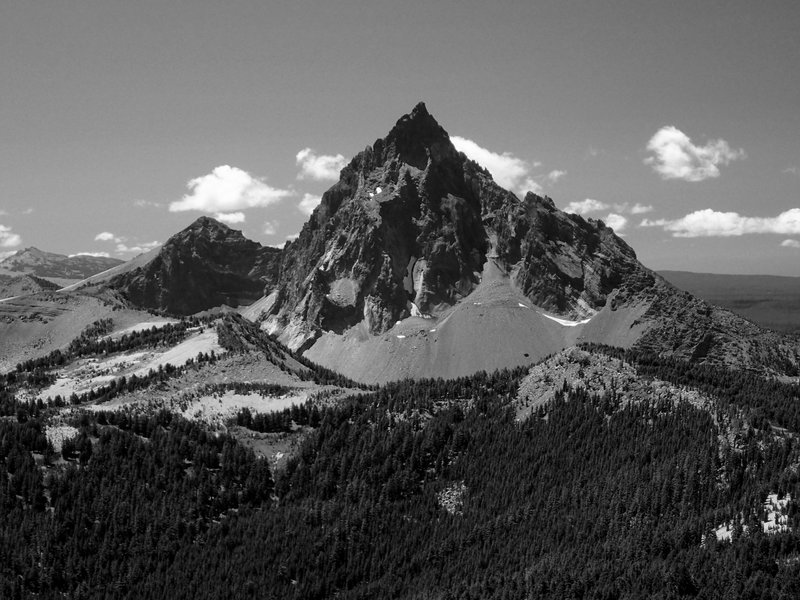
33,261
768,300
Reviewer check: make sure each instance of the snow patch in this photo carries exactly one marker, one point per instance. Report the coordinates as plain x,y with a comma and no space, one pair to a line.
401,337
566,322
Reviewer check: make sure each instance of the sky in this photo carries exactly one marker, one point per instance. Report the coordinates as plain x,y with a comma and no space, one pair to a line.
677,123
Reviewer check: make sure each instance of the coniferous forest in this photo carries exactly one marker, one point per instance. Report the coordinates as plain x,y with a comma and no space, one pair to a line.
587,498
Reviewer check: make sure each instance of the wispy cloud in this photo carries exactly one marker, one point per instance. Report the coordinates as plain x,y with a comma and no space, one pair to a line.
309,203
792,170
122,245
712,223
674,156
228,189
146,204
587,206
320,167
508,171
230,218
590,205
790,244
640,209
554,175
107,236
95,254
270,227
9,239
123,248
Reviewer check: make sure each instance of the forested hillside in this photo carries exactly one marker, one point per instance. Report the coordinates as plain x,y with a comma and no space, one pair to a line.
426,489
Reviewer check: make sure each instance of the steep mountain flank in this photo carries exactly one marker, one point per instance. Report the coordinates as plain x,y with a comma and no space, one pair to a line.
205,265
33,261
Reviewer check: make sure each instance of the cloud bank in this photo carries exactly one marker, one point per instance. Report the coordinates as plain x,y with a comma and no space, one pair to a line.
712,223
674,156
320,167
227,190
508,171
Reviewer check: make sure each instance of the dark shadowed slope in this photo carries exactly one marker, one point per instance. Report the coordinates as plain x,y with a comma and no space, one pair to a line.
205,265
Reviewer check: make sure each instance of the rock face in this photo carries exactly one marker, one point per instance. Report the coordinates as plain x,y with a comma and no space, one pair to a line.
33,261
207,264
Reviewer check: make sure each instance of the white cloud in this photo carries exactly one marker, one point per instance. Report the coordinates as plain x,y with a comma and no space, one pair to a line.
293,237
591,205
586,206
9,239
227,189
121,245
137,249
640,209
555,175
507,170
230,218
320,167
790,244
712,223
616,222
270,227
95,254
107,236
676,157
309,203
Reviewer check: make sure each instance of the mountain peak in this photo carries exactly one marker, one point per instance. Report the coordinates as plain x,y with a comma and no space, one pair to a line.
206,222
414,137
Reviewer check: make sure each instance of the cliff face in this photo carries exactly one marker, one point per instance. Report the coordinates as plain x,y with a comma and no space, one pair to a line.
205,265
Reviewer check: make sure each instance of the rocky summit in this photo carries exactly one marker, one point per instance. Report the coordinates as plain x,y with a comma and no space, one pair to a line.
206,265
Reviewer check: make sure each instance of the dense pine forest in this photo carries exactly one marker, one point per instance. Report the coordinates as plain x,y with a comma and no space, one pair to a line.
425,489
